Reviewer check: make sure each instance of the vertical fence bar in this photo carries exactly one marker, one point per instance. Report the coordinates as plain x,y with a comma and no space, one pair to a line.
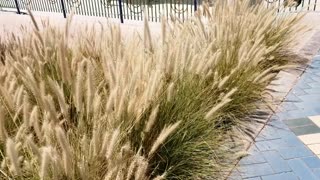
120,11
315,5
63,9
195,5
17,6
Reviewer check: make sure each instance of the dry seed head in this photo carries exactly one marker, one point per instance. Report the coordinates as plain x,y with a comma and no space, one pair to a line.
106,139
131,168
110,174
60,95
267,77
33,146
162,177
223,81
165,133
13,156
217,107
63,141
3,130
79,86
142,166
66,151
90,87
147,35
45,162
170,92
230,93
152,119
113,143
26,111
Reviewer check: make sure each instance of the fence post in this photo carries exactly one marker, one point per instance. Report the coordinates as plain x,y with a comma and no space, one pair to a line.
120,11
63,9
315,5
17,5
195,3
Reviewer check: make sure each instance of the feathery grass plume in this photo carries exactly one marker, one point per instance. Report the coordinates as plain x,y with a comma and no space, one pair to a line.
66,151
152,119
113,143
33,146
26,111
58,92
217,107
3,130
79,89
45,162
164,134
170,92
147,35
90,88
103,92
12,154
142,168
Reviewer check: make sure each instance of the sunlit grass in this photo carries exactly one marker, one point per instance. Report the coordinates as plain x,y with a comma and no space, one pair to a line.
100,107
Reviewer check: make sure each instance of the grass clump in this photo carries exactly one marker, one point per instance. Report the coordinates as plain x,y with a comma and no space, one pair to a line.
99,107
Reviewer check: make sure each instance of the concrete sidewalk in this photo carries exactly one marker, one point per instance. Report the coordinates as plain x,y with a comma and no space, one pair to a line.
10,22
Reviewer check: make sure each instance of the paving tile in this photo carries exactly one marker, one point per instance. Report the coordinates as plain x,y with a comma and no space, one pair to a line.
317,172
296,152
303,85
255,178
281,176
293,98
284,133
282,115
268,133
310,97
253,149
314,85
272,144
278,124
315,119
293,141
313,91
308,106
301,113
309,80
235,175
298,122
310,129
302,170
310,138
255,158
312,162
288,106
315,148
299,92
255,170
277,163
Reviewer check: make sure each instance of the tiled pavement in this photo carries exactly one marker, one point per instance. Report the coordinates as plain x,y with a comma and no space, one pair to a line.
288,148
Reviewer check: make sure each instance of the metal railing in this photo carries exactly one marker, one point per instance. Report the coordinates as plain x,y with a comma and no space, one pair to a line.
120,9
301,5
135,9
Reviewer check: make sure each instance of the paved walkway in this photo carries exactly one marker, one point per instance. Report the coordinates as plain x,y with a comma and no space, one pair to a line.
289,147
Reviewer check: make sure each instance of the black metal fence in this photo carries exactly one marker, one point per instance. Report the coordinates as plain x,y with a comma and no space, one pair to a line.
302,5
120,9
134,9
